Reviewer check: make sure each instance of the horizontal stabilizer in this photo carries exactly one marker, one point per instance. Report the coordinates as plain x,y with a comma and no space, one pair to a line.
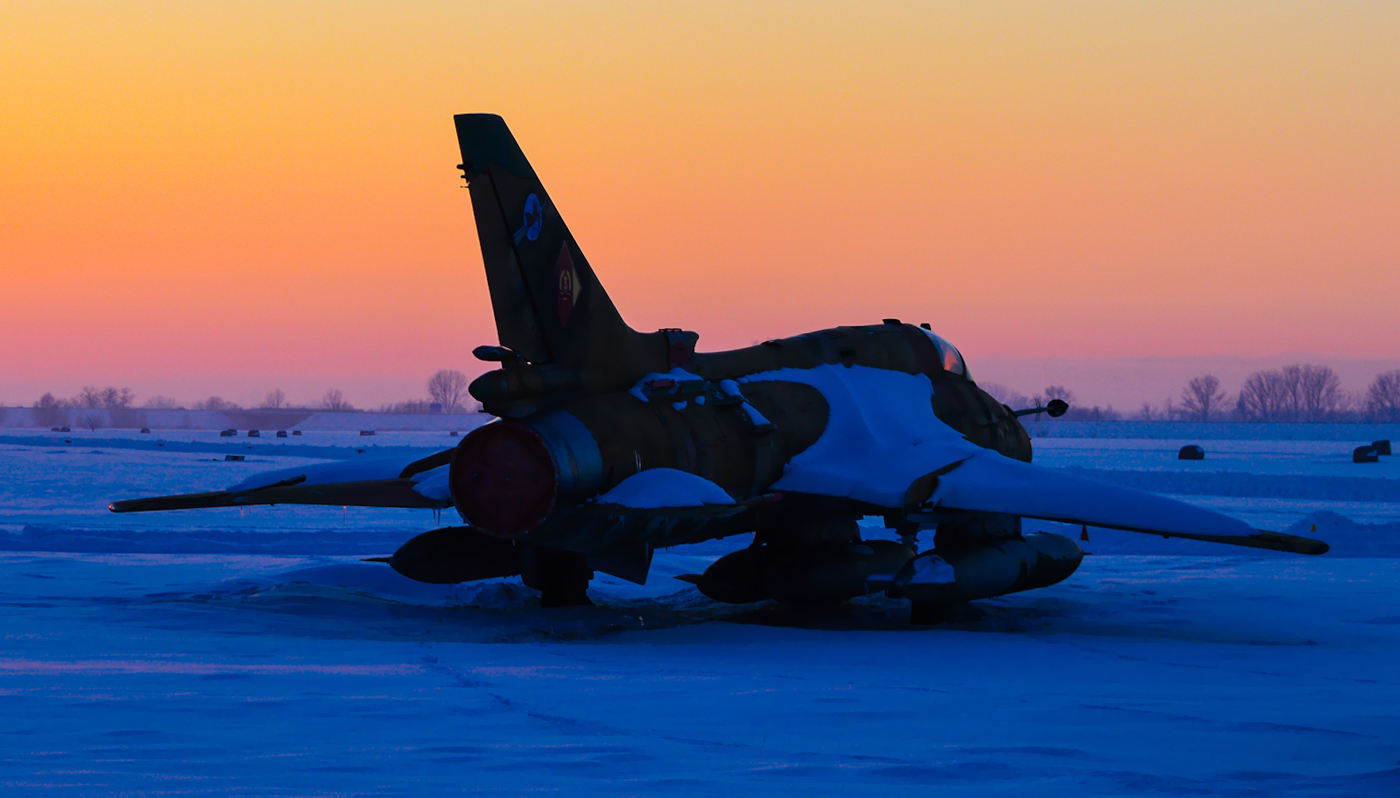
371,482
378,493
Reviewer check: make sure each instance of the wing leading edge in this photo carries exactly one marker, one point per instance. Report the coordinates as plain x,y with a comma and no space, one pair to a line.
989,482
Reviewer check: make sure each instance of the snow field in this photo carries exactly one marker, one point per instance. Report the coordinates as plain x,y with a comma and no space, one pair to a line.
264,672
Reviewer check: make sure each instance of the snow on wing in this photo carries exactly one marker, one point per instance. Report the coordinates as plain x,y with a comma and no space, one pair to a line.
881,436
989,482
362,470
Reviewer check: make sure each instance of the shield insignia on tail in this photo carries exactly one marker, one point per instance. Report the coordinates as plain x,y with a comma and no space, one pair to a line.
566,279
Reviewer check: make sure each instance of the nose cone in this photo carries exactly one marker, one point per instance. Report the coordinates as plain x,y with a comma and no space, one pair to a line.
503,479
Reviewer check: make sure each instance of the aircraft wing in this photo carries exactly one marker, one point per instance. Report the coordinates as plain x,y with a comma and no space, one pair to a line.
989,482
372,482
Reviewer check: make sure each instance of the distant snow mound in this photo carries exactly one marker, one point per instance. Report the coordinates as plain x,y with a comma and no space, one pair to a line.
1348,538
665,487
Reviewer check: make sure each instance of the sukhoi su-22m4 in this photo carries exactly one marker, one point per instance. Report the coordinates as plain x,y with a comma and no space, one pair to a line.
611,443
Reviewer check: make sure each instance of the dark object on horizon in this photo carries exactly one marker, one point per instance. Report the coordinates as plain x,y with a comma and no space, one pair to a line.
233,458
252,433
364,432
227,433
281,433
1191,452
453,433
1364,454
1381,447
65,429
56,429
145,430
296,432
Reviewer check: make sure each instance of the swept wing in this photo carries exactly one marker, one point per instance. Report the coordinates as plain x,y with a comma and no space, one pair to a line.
373,482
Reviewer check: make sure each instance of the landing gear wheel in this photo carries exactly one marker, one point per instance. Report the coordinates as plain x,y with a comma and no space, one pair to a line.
561,576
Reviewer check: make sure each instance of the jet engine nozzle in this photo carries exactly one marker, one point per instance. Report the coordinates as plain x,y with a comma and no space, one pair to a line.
508,478
503,479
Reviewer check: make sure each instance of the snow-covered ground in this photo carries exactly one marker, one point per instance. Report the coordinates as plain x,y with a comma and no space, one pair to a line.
250,651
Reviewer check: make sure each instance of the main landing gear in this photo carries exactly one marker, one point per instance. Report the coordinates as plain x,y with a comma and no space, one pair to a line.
561,576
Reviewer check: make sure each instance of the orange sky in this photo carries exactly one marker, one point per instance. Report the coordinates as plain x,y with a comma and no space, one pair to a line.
230,197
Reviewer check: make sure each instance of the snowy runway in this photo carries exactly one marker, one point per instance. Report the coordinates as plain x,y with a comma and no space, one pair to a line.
185,673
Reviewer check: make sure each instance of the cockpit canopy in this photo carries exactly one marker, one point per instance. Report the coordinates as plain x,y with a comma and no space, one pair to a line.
949,354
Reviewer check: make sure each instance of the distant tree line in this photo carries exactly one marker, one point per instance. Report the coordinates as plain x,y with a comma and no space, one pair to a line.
1296,393
447,393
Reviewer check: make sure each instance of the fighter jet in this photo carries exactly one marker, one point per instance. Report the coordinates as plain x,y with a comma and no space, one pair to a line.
609,443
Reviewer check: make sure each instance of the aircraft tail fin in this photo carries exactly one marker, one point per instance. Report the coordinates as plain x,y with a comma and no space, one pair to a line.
549,306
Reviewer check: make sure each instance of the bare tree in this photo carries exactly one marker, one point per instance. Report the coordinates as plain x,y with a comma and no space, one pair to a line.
50,411
1292,393
215,403
90,420
114,398
415,406
1383,397
447,387
1320,394
1202,398
1146,413
333,399
1006,396
160,403
1059,392
1264,397
89,396
1094,413
275,400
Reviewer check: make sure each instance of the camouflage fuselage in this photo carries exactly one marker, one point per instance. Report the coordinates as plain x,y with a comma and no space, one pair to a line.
531,476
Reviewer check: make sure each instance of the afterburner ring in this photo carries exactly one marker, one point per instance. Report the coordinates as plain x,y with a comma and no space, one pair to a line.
503,479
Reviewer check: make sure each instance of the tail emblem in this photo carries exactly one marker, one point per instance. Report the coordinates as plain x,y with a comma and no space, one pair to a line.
566,277
534,220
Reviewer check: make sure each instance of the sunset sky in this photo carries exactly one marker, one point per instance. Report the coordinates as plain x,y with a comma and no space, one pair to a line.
223,198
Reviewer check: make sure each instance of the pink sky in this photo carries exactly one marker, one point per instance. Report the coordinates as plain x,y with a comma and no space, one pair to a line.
227,199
